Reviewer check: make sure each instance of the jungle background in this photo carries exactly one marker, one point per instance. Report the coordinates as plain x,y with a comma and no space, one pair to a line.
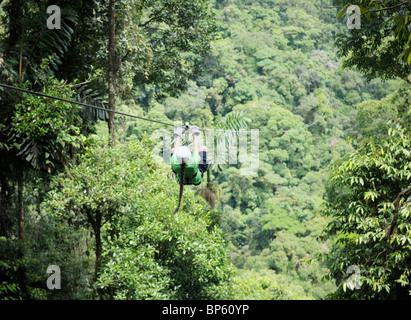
81,190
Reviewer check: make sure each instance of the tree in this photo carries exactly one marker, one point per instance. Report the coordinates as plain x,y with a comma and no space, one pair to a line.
170,40
160,256
142,250
381,47
94,191
369,204
154,46
42,137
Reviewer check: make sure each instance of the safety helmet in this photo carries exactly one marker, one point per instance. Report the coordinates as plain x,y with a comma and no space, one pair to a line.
183,154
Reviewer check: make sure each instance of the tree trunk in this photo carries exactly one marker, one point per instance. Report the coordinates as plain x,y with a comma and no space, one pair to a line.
15,27
96,223
20,207
5,203
111,69
99,251
21,269
95,220
21,55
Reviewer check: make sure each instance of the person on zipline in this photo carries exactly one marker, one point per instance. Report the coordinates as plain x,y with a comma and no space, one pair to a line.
188,167
194,164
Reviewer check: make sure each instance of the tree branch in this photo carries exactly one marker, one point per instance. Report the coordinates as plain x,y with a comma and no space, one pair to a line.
155,17
401,195
385,8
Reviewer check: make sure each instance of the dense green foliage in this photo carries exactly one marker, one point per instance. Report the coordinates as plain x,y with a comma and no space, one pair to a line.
146,253
381,47
368,201
332,186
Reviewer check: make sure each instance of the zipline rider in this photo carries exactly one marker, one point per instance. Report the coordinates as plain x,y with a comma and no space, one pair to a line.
188,167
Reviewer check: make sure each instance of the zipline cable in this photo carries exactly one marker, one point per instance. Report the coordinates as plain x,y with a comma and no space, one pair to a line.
82,104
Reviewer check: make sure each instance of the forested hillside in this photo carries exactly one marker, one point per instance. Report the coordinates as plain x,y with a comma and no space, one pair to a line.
83,189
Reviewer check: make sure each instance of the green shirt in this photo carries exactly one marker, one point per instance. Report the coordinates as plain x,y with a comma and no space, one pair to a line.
191,173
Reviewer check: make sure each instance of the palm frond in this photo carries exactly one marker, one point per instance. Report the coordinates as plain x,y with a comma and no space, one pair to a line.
39,43
234,120
227,132
92,92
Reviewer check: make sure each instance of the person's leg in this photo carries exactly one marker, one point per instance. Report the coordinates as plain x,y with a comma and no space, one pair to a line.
203,162
195,144
201,151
